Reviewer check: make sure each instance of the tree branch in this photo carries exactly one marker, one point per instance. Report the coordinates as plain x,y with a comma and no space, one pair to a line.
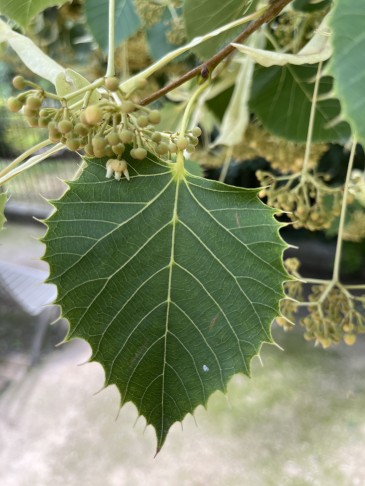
206,68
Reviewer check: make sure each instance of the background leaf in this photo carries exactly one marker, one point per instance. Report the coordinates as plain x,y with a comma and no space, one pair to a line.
158,45
205,15
348,61
309,6
127,22
280,94
3,199
173,281
22,11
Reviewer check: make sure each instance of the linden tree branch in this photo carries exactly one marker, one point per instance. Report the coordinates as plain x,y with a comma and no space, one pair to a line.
206,68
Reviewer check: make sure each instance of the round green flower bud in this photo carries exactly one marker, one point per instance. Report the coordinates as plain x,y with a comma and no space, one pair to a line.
190,148
14,105
34,102
156,137
162,148
172,148
30,112
99,142
194,141
113,137
73,143
100,153
65,126
19,82
112,84
32,121
154,117
126,136
196,131
142,121
108,151
81,129
182,143
118,149
128,106
43,122
89,151
93,114
139,153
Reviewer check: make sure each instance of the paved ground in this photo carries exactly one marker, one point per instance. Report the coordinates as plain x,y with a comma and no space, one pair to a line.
300,421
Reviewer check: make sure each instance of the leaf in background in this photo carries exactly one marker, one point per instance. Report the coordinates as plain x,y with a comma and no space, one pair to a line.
127,21
22,11
348,62
310,5
158,45
173,280
206,15
3,199
281,94
35,59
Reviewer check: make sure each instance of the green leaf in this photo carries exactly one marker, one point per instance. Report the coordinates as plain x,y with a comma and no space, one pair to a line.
280,94
22,11
3,199
348,62
158,45
127,21
172,279
206,15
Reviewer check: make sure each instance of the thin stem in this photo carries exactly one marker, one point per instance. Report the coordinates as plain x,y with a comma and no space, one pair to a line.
95,84
110,71
336,267
226,164
206,68
184,125
315,280
31,162
24,156
355,287
189,107
311,120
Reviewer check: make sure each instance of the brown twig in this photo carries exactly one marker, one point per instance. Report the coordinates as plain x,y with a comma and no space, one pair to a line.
206,68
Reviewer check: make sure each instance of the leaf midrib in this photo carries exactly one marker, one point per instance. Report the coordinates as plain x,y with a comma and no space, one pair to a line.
174,221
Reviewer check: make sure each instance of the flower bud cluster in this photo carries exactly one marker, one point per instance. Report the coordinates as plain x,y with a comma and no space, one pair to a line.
338,317
355,227
283,155
309,202
331,314
104,128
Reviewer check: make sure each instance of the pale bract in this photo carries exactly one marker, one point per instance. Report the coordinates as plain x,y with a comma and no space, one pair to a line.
38,62
317,50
